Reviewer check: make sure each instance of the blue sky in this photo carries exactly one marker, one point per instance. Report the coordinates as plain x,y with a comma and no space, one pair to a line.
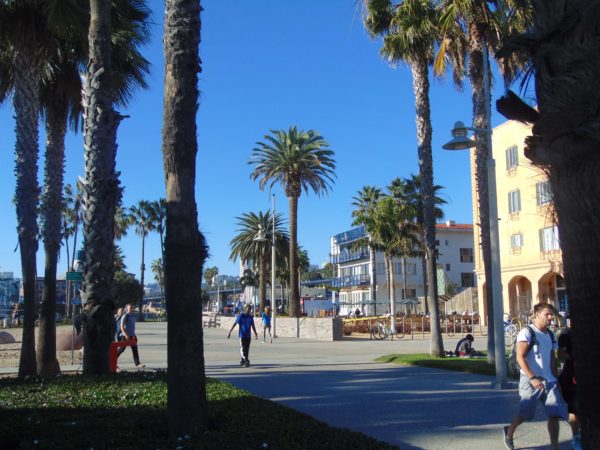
269,65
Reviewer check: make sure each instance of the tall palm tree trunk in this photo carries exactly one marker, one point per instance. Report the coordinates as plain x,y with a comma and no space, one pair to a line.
373,262
56,127
294,291
262,281
185,247
481,176
424,266
142,269
392,289
420,75
100,193
26,193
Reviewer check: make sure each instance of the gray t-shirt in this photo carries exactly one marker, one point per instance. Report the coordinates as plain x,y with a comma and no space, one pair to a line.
129,323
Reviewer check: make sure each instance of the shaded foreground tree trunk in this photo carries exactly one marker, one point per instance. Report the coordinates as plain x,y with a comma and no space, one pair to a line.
25,100
56,126
421,90
294,296
566,142
185,248
100,193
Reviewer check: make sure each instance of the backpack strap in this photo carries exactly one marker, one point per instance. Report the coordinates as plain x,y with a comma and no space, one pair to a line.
533,341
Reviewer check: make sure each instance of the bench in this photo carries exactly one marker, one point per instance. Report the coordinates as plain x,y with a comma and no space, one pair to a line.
211,320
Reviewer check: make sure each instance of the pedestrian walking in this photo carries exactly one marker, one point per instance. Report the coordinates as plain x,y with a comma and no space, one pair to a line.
245,322
266,323
538,377
566,379
128,334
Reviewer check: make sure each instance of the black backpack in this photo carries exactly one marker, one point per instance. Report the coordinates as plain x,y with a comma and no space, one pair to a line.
513,365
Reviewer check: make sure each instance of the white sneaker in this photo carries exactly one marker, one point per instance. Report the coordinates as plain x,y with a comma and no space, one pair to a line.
141,366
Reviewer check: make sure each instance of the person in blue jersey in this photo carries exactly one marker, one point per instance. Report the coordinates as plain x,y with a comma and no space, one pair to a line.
266,323
245,321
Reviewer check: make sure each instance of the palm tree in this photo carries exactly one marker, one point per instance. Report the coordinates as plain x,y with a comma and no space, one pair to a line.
100,191
61,104
364,202
26,28
562,46
209,275
480,24
409,190
298,160
409,31
159,274
247,247
141,218
158,215
71,216
185,246
391,232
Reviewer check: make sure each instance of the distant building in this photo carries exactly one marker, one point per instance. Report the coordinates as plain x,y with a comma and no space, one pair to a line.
61,291
354,272
9,289
530,254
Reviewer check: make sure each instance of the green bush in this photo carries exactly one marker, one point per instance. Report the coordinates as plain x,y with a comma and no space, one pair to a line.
128,410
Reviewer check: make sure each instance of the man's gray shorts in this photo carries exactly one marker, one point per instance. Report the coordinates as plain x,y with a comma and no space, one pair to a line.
550,396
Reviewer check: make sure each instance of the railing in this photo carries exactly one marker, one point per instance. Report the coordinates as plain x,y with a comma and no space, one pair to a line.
350,256
351,280
350,235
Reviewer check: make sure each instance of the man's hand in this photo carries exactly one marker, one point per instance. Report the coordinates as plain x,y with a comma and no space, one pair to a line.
229,335
536,383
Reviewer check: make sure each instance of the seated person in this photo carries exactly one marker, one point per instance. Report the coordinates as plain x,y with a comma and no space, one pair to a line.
464,347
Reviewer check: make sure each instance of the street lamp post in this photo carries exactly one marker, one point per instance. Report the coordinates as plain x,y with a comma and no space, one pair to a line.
260,237
460,141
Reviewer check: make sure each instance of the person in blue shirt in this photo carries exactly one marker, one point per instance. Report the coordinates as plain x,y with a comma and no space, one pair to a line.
266,323
245,320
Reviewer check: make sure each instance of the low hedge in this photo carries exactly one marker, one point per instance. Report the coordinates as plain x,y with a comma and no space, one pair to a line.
128,410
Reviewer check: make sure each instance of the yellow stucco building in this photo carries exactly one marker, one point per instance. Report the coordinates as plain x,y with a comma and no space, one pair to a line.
530,256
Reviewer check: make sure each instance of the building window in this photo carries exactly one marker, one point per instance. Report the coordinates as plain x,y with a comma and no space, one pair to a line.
448,267
467,279
516,241
410,293
549,241
512,158
514,201
411,268
543,194
437,242
466,255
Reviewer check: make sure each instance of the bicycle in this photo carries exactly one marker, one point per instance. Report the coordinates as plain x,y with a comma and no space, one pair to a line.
511,329
382,328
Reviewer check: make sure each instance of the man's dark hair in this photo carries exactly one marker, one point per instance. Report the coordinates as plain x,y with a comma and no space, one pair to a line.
541,306
470,337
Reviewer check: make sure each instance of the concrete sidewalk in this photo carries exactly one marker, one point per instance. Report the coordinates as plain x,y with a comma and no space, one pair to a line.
338,383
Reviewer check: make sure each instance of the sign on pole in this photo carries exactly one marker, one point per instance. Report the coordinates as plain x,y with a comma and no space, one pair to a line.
74,276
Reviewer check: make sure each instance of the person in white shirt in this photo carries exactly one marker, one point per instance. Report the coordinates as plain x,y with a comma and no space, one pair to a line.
538,376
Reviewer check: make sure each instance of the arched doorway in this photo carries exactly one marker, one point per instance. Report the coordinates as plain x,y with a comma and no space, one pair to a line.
519,296
552,289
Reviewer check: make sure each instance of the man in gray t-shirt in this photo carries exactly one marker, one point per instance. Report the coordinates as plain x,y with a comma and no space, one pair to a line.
127,333
538,376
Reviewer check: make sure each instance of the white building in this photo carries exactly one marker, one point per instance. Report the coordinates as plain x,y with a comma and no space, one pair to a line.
354,272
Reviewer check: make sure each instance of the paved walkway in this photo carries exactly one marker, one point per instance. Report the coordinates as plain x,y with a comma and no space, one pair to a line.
338,383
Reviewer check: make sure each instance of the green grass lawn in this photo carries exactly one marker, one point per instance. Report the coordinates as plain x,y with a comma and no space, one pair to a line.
128,410
472,365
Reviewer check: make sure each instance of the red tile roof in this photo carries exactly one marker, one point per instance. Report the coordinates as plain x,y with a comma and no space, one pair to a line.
456,226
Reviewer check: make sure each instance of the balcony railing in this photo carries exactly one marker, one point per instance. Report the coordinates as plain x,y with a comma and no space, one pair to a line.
350,235
350,256
351,280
